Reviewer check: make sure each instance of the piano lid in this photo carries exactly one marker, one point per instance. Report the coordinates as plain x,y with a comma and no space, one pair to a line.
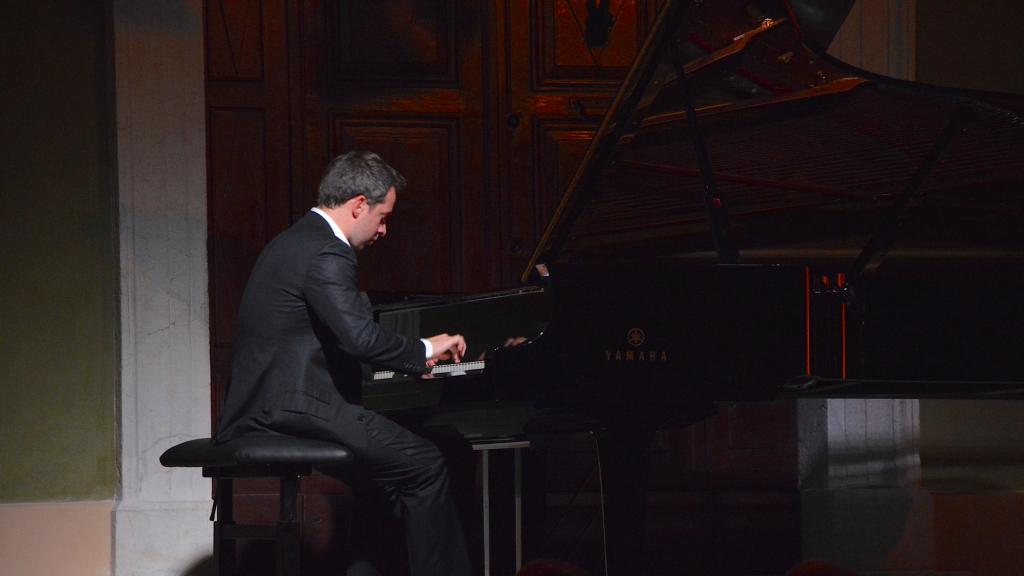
806,154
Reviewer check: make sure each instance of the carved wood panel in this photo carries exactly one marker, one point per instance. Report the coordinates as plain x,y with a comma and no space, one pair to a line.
234,40
238,210
423,247
560,143
404,40
583,44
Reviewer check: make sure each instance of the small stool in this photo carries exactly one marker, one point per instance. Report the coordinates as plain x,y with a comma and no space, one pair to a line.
256,456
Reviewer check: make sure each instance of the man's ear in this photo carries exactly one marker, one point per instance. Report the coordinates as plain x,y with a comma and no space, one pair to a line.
359,205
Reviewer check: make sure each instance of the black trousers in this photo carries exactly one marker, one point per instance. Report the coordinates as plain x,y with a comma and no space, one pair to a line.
408,468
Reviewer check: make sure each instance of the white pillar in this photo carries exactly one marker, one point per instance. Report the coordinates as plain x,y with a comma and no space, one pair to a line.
160,521
873,442
862,505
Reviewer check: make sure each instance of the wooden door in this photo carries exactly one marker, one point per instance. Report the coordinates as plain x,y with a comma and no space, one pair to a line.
404,78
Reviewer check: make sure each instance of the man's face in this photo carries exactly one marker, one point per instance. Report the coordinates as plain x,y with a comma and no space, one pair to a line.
371,222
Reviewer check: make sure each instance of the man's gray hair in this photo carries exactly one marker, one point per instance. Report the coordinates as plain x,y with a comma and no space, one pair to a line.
357,173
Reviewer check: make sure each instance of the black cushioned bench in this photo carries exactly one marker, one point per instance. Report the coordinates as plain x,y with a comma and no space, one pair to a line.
256,456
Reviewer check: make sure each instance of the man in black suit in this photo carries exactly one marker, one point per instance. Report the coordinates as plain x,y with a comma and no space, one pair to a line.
303,330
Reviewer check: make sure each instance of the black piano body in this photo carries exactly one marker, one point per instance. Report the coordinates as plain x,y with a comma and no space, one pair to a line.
606,340
753,220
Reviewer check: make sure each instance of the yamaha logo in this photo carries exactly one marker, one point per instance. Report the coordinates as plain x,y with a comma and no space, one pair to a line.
635,338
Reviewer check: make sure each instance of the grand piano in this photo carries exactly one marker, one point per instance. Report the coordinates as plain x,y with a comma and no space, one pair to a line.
753,220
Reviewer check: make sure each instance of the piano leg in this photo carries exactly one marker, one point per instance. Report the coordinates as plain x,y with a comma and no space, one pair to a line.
624,461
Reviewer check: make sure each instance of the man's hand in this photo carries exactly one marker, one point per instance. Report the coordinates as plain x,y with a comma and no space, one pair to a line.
447,347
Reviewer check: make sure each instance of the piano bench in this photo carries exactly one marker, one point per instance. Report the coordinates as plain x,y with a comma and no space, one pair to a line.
256,456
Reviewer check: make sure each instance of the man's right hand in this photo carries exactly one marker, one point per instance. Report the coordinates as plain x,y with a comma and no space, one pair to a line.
447,347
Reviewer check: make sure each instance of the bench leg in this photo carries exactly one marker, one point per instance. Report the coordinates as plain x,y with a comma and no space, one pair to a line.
288,533
223,547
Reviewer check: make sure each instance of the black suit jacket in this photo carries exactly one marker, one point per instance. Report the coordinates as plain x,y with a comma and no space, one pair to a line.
303,329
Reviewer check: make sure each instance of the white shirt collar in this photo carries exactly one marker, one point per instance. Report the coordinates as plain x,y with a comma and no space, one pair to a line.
334,225
427,346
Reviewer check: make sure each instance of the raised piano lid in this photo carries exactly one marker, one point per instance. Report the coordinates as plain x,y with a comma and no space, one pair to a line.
806,152
809,157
